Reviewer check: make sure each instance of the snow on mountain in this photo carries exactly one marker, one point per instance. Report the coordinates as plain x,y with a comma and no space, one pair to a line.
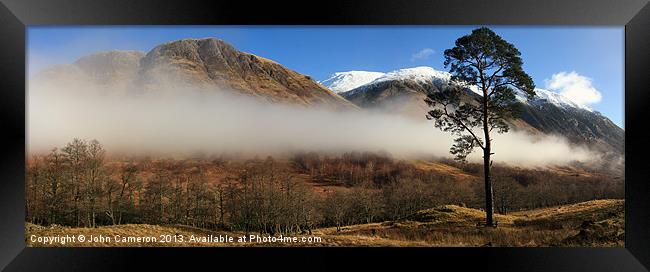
554,98
341,82
344,81
420,74
358,81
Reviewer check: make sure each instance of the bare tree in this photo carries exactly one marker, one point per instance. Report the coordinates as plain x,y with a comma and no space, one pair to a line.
76,153
55,170
96,175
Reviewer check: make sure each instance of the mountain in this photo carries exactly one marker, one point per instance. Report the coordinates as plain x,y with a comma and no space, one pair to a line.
111,67
399,91
403,92
103,68
206,64
213,62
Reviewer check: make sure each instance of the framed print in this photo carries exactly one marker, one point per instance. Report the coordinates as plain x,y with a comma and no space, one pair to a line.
506,132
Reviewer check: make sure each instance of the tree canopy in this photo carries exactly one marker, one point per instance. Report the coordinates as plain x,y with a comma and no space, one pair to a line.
485,61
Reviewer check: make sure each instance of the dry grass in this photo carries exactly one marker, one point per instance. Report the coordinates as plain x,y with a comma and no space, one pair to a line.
571,216
596,223
456,215
440,167
570,171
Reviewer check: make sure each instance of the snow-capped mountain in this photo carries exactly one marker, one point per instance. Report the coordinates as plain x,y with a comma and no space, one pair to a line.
400,91
342,82
403,92
422,75
345,81
353,82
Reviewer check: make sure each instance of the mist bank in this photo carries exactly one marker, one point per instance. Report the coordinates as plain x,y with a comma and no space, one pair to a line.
170,120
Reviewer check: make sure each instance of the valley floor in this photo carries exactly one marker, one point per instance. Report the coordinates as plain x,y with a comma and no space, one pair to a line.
598,223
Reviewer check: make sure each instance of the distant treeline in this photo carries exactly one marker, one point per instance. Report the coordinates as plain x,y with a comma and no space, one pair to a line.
77,186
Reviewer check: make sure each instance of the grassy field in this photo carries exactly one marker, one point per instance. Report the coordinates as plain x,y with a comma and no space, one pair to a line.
598,223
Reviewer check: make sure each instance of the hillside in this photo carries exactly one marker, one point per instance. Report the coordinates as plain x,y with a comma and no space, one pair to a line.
579,125
592,223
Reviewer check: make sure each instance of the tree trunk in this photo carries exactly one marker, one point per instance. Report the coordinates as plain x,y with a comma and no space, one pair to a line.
489,195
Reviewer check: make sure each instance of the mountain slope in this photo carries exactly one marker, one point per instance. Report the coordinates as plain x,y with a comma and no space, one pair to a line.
579,125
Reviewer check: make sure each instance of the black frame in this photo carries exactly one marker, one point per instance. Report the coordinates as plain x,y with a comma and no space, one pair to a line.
15,15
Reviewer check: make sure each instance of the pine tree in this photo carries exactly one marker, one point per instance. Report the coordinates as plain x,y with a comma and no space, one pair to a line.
485,60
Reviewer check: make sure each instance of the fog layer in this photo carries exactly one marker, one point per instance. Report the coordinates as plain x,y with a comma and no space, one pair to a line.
172,121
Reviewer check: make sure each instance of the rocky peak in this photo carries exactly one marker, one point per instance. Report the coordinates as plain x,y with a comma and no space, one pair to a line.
212,62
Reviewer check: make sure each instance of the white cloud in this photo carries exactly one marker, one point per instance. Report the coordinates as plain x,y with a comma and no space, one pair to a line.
574,87
422,54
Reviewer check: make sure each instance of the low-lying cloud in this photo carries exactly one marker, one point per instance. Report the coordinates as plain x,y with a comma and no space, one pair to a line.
184,121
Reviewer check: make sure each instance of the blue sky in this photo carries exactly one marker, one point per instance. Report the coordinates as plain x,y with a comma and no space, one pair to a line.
584,60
